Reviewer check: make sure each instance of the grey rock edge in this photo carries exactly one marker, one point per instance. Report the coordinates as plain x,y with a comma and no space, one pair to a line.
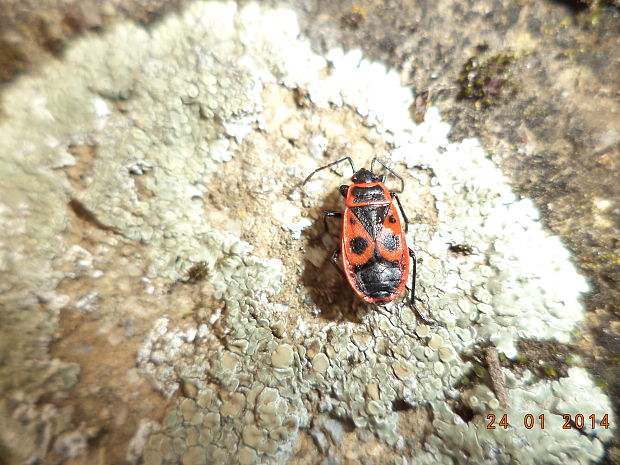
193,90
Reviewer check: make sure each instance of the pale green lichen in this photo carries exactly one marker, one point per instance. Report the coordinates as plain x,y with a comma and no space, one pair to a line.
537,444
191,94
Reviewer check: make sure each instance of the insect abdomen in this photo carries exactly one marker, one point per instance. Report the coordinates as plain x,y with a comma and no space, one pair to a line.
380,279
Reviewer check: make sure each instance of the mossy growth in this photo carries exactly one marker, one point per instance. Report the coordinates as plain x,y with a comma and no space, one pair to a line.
549,371
198,272
196,308
487,82
479,370
475,375
354,18
199,306
546,359
602,384
572,361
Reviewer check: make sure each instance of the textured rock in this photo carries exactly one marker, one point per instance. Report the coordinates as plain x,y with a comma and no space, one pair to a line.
196,96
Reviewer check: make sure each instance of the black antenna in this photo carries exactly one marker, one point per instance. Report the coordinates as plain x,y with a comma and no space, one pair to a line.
327,166
402,181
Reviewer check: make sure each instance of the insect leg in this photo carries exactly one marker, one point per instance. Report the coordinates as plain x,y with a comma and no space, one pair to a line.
336,252
402,212
334,260
330,215
413,274
412,300
402,181
327,166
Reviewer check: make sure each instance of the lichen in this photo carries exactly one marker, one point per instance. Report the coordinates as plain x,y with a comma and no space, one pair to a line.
250,372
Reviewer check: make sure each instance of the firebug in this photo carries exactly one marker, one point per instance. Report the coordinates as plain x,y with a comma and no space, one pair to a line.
373,248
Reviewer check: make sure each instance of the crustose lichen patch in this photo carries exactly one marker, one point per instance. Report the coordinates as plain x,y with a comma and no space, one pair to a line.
237,322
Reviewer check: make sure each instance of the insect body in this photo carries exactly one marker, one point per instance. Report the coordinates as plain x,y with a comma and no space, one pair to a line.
373,249
374,253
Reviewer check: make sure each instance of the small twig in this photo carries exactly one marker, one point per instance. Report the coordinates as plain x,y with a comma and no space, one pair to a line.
491,357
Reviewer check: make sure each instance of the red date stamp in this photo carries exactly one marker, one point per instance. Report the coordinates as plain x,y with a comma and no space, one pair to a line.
530,421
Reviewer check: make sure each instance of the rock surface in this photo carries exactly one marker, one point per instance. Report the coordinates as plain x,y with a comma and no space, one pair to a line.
155,231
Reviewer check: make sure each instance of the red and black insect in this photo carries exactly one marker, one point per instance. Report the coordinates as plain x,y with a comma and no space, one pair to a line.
375,256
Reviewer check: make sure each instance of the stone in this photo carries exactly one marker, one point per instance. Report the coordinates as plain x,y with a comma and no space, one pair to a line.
152,457
195,455
282,357
374,408
446,354
188,409
320,440
246,456
422,330
402,369
334,429
211,420
233,406
205,398
320,362
252,436
435,342
439,368
229,362
372,389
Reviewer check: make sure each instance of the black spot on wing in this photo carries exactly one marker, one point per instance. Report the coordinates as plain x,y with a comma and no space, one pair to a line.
359,245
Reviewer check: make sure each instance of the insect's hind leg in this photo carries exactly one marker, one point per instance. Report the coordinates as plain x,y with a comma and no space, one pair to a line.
413,297
402,212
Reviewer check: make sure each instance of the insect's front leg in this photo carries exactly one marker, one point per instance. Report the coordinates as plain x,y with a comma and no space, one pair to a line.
412,300
336,252
330,215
